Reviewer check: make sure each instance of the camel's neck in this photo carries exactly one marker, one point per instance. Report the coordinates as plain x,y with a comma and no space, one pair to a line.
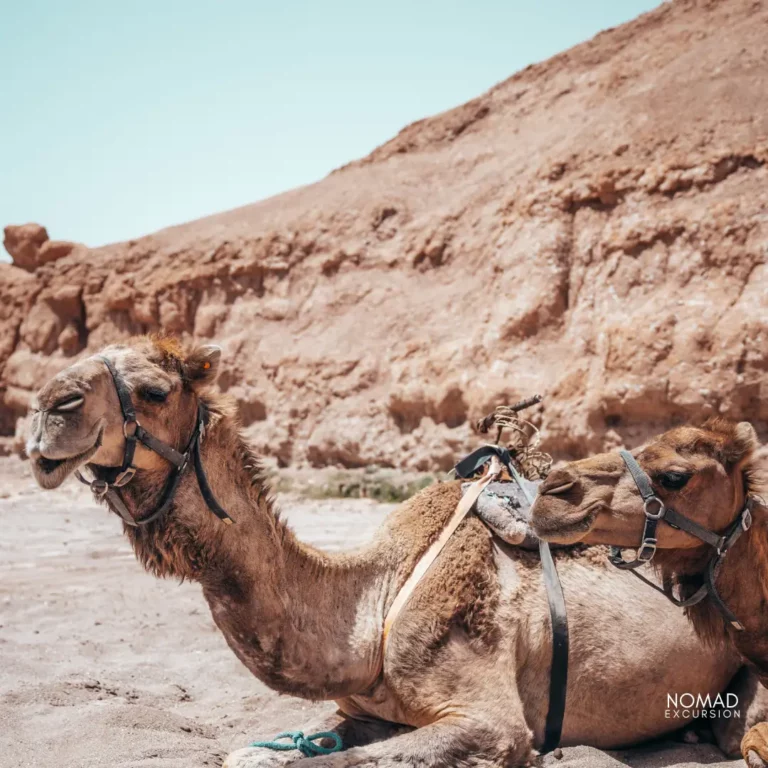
742,583
303,621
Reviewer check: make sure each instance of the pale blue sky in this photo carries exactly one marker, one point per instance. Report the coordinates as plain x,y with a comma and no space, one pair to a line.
119,119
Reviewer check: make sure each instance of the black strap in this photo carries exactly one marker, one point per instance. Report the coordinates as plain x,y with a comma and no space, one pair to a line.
642,481
677,520
470,465
558,676
666,590
171,455
205,488
558,679
714,595
130,424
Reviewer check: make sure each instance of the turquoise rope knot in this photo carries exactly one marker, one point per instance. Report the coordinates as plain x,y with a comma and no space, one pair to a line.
305,744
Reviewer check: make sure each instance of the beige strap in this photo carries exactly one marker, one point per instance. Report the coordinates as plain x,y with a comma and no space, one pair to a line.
422,566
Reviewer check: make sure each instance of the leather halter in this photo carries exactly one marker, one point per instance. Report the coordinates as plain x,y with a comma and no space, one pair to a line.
134,432
656,511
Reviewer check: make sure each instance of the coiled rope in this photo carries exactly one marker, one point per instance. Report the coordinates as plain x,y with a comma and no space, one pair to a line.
523,443
305,744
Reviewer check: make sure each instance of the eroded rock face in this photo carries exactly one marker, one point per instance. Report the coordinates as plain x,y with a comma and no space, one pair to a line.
29,246
593,229
23,244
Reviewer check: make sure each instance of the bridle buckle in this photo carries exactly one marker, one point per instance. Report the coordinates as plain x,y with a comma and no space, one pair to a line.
124,477
647,550
746,519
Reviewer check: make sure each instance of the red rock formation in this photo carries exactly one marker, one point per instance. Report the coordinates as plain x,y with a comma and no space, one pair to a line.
23,243
593,228
29,246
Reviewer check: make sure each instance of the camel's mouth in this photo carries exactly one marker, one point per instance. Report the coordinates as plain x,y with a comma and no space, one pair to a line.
51,473
556,521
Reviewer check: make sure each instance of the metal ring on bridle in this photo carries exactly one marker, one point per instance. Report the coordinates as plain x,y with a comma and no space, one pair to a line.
99,488
132,432
662,509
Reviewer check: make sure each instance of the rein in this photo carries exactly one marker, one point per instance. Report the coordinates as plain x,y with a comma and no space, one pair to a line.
656,511
134,433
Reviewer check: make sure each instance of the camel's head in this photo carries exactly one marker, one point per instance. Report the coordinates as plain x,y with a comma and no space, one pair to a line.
700,472
77,416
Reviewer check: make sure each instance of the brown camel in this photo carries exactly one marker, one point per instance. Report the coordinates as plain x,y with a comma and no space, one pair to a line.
706,474
465,676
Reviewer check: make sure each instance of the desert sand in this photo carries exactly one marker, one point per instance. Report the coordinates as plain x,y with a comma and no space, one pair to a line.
104,665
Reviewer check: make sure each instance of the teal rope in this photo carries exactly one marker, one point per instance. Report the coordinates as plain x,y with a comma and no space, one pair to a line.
305,744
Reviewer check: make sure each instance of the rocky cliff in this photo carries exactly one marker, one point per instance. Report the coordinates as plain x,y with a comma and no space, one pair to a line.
595,228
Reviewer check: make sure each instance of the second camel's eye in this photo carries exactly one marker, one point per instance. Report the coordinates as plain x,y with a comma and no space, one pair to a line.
154,395
673,481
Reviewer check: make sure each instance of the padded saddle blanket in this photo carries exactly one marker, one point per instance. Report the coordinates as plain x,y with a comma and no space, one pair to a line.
504,508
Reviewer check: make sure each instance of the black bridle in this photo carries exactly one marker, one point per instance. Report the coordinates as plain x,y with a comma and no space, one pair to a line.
134,433
656,511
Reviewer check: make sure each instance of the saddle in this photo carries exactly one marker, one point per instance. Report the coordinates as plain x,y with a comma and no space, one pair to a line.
503,501
505,508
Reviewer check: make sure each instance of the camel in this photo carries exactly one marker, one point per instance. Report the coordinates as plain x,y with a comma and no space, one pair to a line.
465,676
710,475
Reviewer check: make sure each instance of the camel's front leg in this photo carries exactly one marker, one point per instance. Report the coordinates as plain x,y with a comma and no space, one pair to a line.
353,733
754,747
457,742
748,733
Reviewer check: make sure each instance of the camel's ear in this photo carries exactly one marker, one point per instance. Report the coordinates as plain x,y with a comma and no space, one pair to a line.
743,444
201,366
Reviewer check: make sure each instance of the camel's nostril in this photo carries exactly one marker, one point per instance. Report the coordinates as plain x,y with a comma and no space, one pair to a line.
559,481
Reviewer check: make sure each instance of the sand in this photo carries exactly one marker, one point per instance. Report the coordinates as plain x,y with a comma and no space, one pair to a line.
103,665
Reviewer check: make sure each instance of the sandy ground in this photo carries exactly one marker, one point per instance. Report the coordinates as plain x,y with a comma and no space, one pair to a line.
102,665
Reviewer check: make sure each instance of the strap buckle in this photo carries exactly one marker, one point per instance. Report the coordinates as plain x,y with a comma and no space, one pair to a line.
647,550
660,511
746,518
124,477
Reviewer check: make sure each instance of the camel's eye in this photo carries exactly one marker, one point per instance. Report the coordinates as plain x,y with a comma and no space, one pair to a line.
673,481
154,394
69,403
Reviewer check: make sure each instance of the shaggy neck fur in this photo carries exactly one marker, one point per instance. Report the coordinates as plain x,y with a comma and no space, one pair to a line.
305,622
742,584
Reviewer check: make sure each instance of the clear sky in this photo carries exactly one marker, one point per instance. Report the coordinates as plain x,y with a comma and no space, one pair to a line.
120,118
